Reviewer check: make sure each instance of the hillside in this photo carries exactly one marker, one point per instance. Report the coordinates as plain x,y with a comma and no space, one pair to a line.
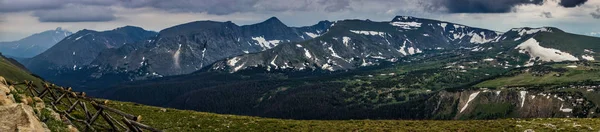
553,74
184,120
408,90
434,84
14,71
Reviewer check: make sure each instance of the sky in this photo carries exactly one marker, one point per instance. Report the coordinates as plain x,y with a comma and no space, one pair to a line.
21,18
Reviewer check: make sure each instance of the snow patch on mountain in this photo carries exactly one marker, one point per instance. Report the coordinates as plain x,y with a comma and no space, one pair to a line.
522,97
176,56
312,35
327,67
565,109
471,97
456,26
80,37
333,53
407,25
204,54
307,53
266,44
458,36
588,57
525,31
401,50
412,50
480,38
588,51
382,34
443,25
488,59
533,48
233,61
273,61
346,40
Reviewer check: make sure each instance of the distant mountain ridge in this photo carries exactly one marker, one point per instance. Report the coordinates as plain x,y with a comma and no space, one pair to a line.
272,46
177,50
353,43
33,45
82,47
189,47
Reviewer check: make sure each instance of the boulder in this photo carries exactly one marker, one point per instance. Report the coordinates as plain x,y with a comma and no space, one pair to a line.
72,129
2,80
4,89
6,99
20,117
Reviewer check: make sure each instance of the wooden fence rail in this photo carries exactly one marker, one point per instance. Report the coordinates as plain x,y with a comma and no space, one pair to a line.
76,101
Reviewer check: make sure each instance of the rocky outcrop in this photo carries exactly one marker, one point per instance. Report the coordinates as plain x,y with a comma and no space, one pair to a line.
17,116
20,117
516,103
6,97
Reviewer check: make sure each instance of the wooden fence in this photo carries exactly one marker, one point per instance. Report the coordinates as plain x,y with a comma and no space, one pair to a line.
76,101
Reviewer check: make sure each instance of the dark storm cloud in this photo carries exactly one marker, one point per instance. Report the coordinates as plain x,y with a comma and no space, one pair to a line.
492,6
50,10
546,15
596,14
27,5
223,7
572,3
33,5
76,13
481,6
217,7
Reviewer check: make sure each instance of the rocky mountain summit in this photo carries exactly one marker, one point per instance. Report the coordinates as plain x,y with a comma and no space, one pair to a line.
33,45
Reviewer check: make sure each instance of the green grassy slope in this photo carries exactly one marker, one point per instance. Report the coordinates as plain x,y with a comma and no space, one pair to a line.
571,43
13,72
562,73
185,120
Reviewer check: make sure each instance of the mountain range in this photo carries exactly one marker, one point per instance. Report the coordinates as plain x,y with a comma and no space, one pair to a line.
33,45
189,47
407,68
129,53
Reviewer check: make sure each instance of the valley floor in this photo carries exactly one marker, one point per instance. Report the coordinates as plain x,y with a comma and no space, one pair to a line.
185,120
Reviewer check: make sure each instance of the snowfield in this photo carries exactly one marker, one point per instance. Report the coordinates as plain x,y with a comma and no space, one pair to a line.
533,48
